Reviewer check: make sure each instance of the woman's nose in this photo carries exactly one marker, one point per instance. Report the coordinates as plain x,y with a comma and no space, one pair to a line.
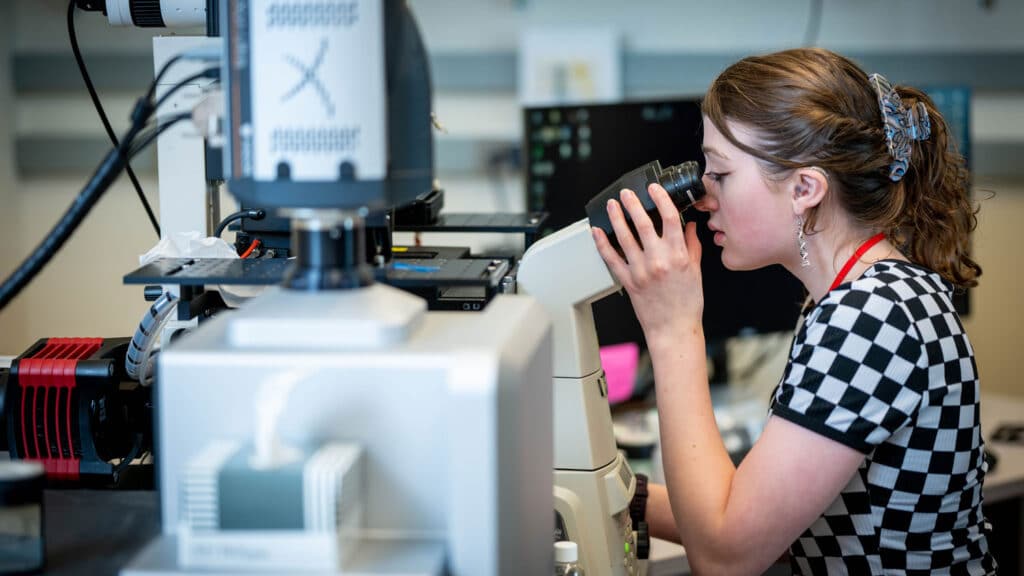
708,203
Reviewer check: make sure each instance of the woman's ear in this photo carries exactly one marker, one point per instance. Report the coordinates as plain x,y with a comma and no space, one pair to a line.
809,187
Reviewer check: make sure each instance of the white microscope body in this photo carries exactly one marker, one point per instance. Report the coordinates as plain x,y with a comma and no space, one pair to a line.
593,482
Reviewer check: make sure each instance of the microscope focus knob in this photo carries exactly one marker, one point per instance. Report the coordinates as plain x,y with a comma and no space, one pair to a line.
643,541
153,293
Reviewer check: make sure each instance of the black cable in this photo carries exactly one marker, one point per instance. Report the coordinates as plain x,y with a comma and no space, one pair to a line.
133,453
207,73
813,23
160,75
103,115
165,123
253,214
100,181
146,138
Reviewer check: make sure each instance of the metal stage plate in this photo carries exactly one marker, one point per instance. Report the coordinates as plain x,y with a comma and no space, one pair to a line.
202,271
403,273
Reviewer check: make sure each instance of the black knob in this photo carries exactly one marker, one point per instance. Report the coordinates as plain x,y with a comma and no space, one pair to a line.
643,541
152,293
146,13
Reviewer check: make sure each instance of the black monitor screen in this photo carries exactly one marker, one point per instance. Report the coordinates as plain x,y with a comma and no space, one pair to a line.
572,152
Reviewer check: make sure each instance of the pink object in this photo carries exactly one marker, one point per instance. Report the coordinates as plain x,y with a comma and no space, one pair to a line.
619,362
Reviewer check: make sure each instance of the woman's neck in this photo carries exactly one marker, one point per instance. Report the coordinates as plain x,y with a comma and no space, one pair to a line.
829,250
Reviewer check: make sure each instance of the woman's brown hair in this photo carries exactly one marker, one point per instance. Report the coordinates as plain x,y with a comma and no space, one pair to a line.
812,107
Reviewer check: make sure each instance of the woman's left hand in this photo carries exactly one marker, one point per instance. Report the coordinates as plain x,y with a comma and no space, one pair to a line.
660,273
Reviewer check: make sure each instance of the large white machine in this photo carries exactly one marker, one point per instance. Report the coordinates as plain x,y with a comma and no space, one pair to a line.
333,425
451,411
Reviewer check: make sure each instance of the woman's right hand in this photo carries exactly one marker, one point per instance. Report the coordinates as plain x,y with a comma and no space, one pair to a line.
660,273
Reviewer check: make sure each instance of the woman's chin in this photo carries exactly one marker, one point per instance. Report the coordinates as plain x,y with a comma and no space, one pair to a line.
738,264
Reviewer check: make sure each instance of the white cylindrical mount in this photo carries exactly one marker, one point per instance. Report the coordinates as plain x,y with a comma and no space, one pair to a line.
157,13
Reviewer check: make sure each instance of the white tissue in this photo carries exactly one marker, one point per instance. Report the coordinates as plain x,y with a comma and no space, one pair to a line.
188,245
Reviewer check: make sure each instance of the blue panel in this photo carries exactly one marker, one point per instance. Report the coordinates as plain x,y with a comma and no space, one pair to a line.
954,103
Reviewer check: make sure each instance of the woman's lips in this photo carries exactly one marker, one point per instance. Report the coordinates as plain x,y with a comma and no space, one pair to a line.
719,235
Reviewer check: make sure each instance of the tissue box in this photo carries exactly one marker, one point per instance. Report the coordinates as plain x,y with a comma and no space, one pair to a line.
303,515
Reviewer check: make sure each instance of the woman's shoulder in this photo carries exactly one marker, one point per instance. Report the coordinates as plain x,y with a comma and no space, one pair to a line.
893,280
892,270
894,291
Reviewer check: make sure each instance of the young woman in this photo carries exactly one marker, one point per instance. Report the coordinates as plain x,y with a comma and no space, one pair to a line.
871,459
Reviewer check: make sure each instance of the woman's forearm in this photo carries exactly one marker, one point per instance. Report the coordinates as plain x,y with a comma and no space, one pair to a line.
698,470
658,515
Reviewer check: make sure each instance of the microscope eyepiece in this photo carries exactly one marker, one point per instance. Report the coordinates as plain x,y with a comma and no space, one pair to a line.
682,182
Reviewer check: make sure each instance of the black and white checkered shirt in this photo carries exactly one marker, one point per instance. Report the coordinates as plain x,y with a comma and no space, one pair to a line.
882,364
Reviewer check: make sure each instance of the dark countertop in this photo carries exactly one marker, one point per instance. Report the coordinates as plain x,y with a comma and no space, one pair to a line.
97,532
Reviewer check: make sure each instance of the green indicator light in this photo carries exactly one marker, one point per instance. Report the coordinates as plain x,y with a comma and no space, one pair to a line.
627,547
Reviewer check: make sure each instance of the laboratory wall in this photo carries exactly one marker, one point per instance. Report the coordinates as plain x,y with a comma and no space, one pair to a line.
80,293
11,328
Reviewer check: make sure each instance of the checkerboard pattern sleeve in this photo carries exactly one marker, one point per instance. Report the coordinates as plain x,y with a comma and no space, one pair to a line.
883,365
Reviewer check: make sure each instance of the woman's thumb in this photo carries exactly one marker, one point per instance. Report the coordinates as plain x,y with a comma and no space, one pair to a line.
692,243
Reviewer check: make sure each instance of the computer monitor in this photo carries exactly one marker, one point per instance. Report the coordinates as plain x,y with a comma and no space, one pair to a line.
572,152
954,103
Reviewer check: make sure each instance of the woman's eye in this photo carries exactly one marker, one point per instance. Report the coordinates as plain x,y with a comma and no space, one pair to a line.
715,176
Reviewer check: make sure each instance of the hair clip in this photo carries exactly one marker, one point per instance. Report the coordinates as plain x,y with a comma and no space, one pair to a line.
902,125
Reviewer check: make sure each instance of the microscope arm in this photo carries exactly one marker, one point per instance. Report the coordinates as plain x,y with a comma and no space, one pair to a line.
566,274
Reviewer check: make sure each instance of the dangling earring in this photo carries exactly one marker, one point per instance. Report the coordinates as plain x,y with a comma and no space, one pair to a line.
801,242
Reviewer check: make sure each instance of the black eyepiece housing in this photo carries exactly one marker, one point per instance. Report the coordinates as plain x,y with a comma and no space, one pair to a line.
682,182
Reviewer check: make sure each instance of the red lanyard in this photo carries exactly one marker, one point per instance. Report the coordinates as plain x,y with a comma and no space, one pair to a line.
856,256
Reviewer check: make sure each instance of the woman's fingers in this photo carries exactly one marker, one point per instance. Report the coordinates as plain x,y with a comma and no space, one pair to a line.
641,221
653,256
615,263
634,253
693,246
671,228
